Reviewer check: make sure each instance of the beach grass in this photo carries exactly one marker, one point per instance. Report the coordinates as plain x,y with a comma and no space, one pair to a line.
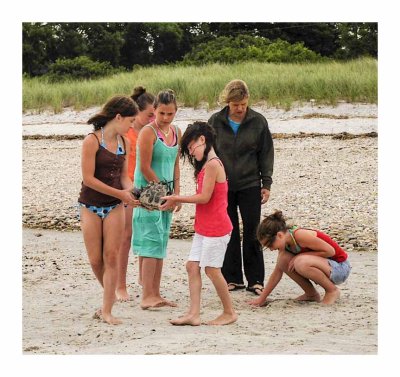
278,85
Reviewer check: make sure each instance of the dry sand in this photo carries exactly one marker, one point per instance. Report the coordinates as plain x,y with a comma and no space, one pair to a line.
60,293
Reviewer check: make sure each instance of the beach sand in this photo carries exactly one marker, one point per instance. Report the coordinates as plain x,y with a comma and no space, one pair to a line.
59,287
318,181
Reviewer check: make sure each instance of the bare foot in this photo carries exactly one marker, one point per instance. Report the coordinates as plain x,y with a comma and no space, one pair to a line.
315,297
97,314
187,319
169,303
122,295
224,319
331,297
152,302
110,319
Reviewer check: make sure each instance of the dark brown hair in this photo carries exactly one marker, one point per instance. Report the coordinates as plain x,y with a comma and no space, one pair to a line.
192,133
142,98
165,97
270,226
116,105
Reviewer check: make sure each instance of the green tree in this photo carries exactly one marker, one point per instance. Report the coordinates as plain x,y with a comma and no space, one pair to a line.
104,41
357,39
71,40
38,48
166,42
135,49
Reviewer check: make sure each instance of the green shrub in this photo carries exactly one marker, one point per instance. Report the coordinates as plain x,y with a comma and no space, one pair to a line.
78,68
231,50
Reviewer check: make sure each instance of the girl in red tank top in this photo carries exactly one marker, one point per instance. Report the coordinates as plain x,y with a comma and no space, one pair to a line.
212,224
305,255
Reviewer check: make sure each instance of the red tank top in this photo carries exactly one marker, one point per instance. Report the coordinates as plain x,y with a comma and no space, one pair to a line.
340,254
212,219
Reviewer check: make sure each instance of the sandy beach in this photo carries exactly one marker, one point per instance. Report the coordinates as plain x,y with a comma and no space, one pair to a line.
322,178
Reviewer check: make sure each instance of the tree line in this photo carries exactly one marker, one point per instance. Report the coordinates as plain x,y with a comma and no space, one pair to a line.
123,46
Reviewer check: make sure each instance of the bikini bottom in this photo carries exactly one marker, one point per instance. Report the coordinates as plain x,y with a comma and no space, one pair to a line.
102,212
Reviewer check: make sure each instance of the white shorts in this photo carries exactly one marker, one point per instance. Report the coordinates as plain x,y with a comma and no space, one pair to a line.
209,251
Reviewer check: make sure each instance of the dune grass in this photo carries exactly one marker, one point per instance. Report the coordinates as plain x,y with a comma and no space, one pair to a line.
278,85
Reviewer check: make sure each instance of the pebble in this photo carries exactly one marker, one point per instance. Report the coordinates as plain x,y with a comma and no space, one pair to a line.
315,200
320,181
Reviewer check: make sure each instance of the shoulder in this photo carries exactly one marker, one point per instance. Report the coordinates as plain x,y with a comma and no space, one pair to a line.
147,133
255,115
303,235
217,116
91,140
213,164
212,167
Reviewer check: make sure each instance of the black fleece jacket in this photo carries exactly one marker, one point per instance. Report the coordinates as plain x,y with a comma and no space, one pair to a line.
248,156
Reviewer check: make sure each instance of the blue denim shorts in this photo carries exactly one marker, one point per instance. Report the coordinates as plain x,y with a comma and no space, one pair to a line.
339,271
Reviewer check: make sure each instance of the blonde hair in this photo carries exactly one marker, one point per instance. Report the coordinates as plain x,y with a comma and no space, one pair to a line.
235,90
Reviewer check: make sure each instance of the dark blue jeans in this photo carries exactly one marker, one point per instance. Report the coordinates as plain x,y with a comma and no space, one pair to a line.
249,203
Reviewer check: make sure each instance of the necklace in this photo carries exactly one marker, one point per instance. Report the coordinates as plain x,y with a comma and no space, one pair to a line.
165,133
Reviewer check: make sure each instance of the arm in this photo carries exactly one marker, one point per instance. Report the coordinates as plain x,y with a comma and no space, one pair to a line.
146,143
266,158
317,247
177,176
125,180
88,165
210,177
273,281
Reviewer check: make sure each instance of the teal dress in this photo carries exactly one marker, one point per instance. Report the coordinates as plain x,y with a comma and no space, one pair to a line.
150,229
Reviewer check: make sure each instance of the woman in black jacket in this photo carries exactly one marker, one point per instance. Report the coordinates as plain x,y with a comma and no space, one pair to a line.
245,146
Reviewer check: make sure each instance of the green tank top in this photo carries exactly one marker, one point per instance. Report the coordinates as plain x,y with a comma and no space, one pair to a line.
162,162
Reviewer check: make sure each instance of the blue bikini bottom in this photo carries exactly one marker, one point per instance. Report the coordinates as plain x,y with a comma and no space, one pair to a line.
102,212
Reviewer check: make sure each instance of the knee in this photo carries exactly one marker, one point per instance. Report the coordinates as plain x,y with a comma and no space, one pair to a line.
111,257
301,263
192,268
96,263
211,272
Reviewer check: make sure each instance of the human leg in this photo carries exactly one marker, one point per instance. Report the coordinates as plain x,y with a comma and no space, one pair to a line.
192,316
249,202
232,266
140,270
92,231
228,315
123,256
157,283
310,293
113,226
149,297
318,270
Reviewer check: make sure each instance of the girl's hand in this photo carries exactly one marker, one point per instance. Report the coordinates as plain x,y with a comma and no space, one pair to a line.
178,207
256,302
170,201
127,198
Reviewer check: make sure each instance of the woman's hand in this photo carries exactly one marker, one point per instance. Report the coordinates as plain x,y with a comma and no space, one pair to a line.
264,195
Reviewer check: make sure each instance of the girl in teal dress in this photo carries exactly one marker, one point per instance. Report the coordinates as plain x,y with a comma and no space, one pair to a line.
156,160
